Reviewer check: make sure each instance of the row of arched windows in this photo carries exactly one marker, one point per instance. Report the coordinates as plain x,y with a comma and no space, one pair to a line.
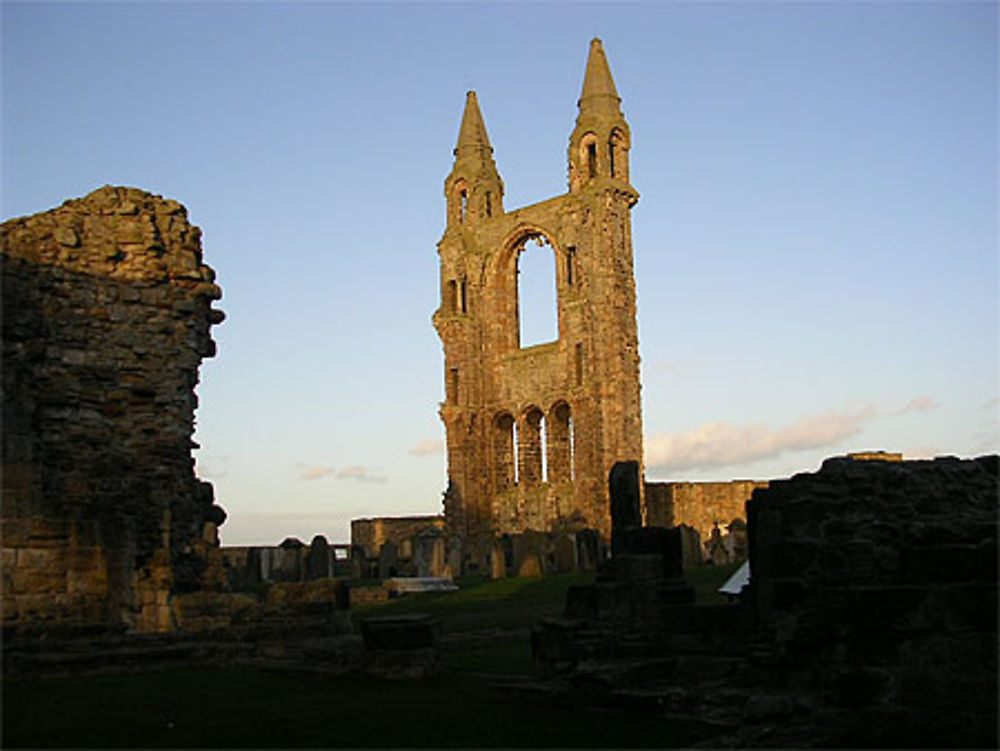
535,449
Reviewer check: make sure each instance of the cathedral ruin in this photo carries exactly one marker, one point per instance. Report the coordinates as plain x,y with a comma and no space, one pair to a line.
532,431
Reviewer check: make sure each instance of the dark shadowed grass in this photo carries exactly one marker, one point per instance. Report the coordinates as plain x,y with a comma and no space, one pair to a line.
247,708
482,604
243,708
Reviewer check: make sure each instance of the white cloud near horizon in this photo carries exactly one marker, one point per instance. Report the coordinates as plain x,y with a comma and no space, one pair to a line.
720,444
316,472
918,404
428,447
359,473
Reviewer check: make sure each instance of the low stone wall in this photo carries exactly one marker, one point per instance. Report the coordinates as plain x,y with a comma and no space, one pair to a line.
702,505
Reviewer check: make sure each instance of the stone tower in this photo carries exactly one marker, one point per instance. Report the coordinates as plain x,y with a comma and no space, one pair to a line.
532,432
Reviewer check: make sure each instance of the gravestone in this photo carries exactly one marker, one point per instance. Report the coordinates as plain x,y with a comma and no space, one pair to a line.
626,513
318,564
498,561
565,553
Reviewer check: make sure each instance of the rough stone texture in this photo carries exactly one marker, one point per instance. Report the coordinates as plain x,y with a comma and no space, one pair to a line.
701,505
106,317
371,534
870,619
874,585
575,399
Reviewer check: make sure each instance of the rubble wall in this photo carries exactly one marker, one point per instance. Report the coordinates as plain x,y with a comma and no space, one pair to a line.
701,505
874,586
371,534
106,318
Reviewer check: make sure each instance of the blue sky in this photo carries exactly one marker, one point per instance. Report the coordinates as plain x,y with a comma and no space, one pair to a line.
815,242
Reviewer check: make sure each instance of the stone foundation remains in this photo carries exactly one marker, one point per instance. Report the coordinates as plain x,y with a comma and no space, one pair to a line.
106,318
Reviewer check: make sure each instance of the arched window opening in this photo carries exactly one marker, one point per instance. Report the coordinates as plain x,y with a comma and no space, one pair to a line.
578,357
459,203
489,204
591,159
451,386
618,154
537,302
504,453
451,296
530,448
559,438
570,264
464,295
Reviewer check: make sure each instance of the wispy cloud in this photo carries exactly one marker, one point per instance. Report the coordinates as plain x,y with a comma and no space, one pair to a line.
428,447
359,473
991,404
719,444
316,472
918,404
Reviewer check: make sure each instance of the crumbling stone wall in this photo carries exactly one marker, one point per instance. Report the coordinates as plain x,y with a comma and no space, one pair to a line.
369,535
106,317
533,431
702,505
874,586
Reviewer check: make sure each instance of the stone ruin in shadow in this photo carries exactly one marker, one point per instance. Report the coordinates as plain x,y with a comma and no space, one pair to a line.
870,618
111,558
107,310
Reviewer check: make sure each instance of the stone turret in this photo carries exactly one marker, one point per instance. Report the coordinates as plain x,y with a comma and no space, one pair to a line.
474,190
599,145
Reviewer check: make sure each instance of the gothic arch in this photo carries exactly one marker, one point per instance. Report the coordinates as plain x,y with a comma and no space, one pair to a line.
503,440
530,447
559,442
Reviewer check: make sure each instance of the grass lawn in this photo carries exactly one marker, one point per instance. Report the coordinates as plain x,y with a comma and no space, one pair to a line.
246,708
242,708
512,603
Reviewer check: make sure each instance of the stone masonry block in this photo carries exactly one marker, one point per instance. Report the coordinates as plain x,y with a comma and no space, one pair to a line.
34,582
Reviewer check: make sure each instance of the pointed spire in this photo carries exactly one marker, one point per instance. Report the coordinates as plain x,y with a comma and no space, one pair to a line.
472,138
474,189
599,93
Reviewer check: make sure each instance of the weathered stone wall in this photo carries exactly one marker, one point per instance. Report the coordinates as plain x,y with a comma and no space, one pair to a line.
369,535
874,586
106,317
574,401
701,505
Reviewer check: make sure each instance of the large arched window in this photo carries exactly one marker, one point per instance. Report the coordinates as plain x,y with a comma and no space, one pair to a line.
537,299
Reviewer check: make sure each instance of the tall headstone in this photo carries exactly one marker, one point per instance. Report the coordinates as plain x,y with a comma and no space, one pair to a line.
626,512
